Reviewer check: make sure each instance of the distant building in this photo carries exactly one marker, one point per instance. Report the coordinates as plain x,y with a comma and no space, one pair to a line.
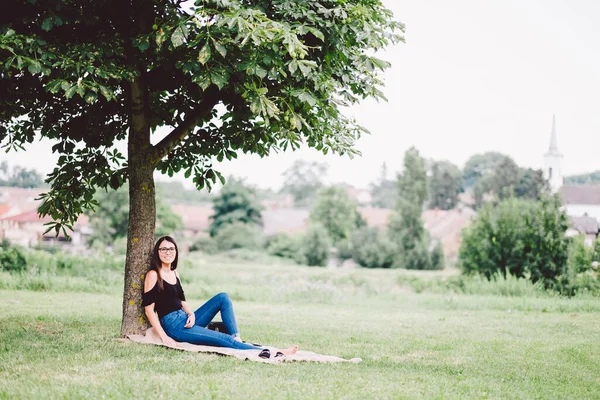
581,202
553,161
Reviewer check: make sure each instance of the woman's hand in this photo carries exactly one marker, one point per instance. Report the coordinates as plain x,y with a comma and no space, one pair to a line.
190,321
168,341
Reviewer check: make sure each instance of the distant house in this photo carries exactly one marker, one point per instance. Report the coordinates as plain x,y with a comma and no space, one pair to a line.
21,224
196,219
27,229
581,200
585,225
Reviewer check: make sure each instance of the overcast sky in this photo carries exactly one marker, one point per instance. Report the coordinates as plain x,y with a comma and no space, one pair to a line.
473,76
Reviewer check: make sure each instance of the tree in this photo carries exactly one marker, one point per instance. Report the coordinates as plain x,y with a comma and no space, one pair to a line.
412,182
315,244
19,177
383,192
303,180
445,184
583,179
532,184
109,220
235,203
499,183
220,77
371,248
337,212
405,227
481,165
517,237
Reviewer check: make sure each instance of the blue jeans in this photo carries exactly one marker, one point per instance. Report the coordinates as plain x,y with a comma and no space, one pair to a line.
174,322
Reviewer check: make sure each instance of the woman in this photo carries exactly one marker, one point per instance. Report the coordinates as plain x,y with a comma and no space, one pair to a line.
163,295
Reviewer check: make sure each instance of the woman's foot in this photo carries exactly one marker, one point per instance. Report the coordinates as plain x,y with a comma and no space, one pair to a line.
291,350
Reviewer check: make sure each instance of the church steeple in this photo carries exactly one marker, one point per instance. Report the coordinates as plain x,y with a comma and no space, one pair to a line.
553,143
552,162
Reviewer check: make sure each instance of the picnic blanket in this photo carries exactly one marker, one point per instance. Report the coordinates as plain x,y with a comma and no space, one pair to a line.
151,337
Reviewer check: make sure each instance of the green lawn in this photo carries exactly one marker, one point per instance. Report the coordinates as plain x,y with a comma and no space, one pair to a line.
61,344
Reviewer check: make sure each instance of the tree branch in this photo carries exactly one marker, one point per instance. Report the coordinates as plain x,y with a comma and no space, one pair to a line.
200,114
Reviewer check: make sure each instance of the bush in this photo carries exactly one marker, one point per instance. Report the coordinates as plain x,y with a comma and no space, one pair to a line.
372,249
344,249
284,245
517,237
239,235
581,274
206,245
11,258
436,257
315,246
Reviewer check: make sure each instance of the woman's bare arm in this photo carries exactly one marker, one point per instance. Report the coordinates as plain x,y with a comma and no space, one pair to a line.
149,282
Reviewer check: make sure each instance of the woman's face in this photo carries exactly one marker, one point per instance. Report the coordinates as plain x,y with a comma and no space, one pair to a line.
167,252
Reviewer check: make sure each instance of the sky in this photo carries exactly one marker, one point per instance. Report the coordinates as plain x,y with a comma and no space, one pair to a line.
473,76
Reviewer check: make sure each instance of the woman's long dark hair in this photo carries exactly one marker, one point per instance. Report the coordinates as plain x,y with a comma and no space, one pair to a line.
156,264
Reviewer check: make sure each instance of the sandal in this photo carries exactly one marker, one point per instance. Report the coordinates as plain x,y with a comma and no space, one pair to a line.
265,354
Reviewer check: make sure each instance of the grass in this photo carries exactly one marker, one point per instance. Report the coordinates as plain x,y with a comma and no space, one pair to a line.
418,336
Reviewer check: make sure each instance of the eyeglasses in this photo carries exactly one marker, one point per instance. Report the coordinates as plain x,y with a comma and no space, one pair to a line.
165,250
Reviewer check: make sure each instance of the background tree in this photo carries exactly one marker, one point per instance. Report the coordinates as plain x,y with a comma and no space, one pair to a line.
583,179
235,203
445,184
337,212
303,180
532,184
383,192
19,176
221,77
498,183
315,245
481,165
405,227
517,237
109,221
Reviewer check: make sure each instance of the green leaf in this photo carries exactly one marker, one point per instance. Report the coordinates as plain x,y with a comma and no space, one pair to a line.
54,86
178,36
221,49
143,43
71,91
204,54
219,78
307,98
47,24
106,92
34,67
90,97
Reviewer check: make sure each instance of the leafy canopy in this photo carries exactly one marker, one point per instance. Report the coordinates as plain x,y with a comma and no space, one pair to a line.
223,75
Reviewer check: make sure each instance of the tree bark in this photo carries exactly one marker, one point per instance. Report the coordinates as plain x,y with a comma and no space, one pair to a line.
142,211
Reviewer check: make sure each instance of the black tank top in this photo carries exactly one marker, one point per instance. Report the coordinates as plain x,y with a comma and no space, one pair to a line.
166,300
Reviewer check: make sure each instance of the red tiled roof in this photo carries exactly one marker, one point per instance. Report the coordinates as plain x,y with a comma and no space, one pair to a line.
4,208
580,194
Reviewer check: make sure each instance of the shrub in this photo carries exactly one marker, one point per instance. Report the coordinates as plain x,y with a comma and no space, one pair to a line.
284,245
206,245
11,258
239,235
517,237
372,249
315,245
581,274
436,257
344,249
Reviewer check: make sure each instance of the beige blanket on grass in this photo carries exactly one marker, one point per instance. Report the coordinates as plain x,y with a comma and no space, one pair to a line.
152,338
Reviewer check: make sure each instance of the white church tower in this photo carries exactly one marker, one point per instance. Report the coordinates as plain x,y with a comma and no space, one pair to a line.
552,162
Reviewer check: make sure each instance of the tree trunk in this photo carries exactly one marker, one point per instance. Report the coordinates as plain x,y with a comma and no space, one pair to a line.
142,212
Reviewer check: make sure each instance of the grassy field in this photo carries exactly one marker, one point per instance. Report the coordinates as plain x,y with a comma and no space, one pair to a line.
418,337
